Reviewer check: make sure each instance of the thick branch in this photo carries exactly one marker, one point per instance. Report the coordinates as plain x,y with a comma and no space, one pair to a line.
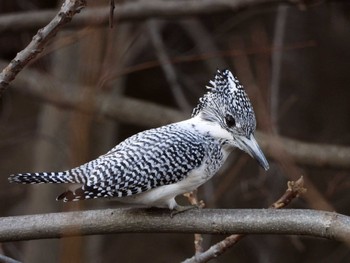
127,110
131,11
210,221
66,13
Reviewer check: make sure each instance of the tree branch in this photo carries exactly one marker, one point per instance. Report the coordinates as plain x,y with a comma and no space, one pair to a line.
321,155
129,11
210,221
66,13
5,259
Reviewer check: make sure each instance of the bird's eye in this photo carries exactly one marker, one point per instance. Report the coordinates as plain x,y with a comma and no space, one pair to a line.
230,121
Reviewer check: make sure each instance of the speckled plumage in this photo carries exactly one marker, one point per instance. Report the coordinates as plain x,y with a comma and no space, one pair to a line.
154,166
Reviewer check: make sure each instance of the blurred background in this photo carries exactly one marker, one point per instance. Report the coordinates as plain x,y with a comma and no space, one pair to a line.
94,86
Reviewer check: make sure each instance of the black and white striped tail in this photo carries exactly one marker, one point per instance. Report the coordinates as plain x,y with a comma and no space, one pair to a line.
39,178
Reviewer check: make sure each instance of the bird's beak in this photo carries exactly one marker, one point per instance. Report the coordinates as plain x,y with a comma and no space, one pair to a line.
250,146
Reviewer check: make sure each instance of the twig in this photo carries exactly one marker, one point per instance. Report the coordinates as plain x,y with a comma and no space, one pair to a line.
294,190
111,13
204,42
198,238
39,41
167,66
276,63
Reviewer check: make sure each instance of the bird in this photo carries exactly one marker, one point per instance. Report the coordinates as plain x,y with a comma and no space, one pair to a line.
154,166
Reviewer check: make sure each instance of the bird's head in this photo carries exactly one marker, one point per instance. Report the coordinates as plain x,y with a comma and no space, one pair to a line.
226,104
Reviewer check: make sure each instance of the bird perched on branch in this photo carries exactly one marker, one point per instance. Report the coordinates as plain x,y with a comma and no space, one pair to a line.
154,166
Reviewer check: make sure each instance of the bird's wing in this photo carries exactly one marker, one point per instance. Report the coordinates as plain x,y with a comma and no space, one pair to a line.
150,159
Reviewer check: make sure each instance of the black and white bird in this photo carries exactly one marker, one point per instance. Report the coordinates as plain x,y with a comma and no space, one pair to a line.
152,167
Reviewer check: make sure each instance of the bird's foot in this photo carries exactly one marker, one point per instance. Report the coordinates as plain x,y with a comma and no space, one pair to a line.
180,209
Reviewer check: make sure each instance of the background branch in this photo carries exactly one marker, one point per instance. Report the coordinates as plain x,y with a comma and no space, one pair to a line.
66,13
154,30
4,259
210,221
139,112
131,11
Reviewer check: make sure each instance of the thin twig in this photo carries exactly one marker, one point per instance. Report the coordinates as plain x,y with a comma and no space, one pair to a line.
294,190
198,238
167,66
39,41
276,63
111,13
204,42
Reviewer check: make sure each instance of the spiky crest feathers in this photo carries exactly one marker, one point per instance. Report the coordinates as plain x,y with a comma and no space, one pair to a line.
223,84
226,96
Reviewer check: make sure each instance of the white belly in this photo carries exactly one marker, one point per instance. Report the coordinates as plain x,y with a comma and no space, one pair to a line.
164,196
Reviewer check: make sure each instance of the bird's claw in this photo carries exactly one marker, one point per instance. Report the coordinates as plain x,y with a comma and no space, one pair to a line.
180,209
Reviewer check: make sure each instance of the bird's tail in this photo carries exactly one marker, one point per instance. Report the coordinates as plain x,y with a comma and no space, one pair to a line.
39,178
69,176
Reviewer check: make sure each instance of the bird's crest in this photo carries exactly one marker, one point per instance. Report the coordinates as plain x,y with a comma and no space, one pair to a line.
226,95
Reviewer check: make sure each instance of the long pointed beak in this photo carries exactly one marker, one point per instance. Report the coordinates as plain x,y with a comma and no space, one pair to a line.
251,147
